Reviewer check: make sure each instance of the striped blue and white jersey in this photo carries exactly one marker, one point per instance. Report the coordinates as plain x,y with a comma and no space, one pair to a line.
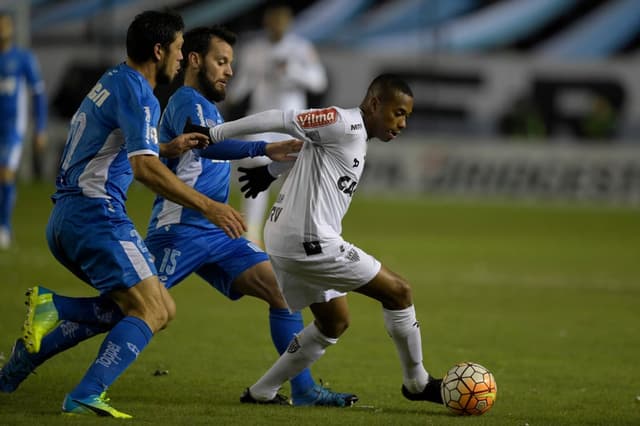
115,121
210,177
20,76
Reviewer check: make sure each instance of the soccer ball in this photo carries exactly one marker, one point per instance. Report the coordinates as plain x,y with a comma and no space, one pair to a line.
468,389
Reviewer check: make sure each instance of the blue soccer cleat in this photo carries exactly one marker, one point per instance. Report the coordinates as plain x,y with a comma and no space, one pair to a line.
318,395
16,369
42,317
97,405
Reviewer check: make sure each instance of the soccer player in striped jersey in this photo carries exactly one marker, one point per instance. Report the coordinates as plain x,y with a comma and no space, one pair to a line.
184,242
19,75
113,138
314,266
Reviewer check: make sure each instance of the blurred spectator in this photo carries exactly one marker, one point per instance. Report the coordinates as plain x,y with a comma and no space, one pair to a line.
275,71
19,73
600,122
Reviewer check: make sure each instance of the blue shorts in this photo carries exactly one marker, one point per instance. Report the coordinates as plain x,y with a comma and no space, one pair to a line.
10,152
182,249
97,241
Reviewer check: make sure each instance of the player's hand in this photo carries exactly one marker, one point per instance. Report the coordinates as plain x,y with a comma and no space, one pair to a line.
183,143
226,218
280,151
39,153
189,127
258,179
40,142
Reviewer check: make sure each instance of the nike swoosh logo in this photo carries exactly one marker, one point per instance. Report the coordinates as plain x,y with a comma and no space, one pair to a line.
96,410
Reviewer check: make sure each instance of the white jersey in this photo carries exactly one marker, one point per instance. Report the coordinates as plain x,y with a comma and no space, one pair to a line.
316,195
317,192
278,75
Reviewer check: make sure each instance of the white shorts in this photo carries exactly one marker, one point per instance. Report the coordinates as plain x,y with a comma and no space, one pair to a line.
341,267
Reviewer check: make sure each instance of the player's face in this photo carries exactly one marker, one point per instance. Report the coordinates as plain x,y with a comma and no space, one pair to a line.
169,65
390,116
215,70
6,29
276,21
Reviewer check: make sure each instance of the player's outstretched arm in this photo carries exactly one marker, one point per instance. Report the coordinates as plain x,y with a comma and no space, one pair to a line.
283,150
149,170
182,144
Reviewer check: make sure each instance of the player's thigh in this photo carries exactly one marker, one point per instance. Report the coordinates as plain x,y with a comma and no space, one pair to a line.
238,267
260,281
388,287
178,251
99,243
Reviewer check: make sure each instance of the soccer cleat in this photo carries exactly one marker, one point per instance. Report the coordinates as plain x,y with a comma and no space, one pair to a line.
42,317
279,399
431,392
318,395
16,369
96,405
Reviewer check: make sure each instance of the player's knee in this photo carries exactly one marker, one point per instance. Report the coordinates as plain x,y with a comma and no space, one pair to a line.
335,328
170,306
401,294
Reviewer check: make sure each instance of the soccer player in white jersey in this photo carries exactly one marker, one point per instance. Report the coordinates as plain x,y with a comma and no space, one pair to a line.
314,266
19,74
276,70
113,139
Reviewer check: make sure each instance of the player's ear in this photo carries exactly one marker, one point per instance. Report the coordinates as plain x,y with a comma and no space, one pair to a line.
194,59
375,103
158,52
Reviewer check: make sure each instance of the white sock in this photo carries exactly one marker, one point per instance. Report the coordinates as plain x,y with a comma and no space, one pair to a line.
305,349
404,329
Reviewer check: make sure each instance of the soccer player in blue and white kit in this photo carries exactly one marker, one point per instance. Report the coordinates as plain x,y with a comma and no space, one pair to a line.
314,265
112,139
184,242
19,74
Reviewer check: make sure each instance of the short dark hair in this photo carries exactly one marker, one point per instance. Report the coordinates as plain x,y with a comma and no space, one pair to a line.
198,39
385,84
149,28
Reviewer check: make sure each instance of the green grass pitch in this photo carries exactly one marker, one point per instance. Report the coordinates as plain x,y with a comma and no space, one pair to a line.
546,296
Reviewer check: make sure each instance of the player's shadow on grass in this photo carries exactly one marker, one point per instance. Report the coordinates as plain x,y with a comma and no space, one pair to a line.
394,410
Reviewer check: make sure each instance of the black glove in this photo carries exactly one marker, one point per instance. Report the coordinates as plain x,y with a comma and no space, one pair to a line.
189,127
258,179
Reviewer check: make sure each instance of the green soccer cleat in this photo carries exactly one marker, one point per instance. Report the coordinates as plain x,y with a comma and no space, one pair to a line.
97,405
42,317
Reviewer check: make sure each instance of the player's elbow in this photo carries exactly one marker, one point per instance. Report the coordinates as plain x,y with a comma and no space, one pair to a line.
142,168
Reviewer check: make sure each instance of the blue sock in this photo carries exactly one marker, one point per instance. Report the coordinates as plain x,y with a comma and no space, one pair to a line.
66,335
119,349
283,326
88,310
7,203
